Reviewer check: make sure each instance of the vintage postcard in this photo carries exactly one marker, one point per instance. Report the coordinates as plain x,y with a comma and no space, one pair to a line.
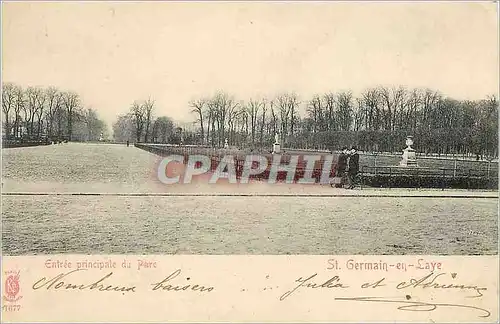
231,162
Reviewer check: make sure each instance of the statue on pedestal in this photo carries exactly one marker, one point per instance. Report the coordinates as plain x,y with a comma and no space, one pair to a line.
226,144
276,145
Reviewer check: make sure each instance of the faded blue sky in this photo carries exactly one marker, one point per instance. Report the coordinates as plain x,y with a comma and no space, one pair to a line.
114,53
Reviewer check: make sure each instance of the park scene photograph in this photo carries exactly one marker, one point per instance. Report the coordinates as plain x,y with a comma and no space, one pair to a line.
249,128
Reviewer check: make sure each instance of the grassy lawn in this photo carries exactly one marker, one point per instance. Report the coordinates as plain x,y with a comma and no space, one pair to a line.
249,225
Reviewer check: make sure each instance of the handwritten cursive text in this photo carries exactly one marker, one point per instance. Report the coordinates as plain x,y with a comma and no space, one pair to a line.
170,287
430,281
333,282
57,283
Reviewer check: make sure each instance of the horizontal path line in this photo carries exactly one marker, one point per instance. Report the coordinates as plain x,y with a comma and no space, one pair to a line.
240,195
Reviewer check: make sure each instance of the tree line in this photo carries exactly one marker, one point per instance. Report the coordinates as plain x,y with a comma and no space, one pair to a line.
37,113
140,125
377,120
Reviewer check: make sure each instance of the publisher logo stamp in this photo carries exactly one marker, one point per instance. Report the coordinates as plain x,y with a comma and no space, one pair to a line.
12,287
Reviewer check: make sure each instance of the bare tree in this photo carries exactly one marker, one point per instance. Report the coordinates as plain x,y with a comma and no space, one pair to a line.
287,107
429,101
344,110
328,119
40,105
220,105
274,119
359,116
314,112
232,118
212,114
30,108
262,123
243,121
8,105
371,102
59,116
410,117
198,108
139,118
148,106
253,108
54,102
20,100
71,102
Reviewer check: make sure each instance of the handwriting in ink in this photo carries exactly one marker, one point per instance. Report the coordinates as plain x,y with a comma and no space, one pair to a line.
430,281
166,285
99,285
333,282
415,306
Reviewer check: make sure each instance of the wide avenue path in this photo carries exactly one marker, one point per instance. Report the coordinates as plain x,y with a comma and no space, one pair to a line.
104,198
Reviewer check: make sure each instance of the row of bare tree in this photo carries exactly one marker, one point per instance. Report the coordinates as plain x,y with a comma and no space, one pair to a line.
377,120
222,117
35,113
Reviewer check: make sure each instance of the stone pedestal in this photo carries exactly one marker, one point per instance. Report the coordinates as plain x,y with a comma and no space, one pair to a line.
409,157
276,148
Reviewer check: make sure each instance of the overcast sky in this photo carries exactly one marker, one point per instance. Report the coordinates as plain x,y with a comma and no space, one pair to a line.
115,53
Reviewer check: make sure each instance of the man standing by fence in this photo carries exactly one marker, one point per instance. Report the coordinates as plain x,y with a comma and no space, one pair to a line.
341,167
353,169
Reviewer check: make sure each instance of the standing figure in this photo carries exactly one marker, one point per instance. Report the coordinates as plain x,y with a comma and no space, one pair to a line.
341,167
353,167
128,143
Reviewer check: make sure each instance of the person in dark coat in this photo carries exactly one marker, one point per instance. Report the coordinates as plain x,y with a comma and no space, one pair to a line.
353,169
341,167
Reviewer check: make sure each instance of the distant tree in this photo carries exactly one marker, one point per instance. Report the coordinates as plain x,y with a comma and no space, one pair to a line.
124,128
163,128
139,117
93,125
54,103
147,108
